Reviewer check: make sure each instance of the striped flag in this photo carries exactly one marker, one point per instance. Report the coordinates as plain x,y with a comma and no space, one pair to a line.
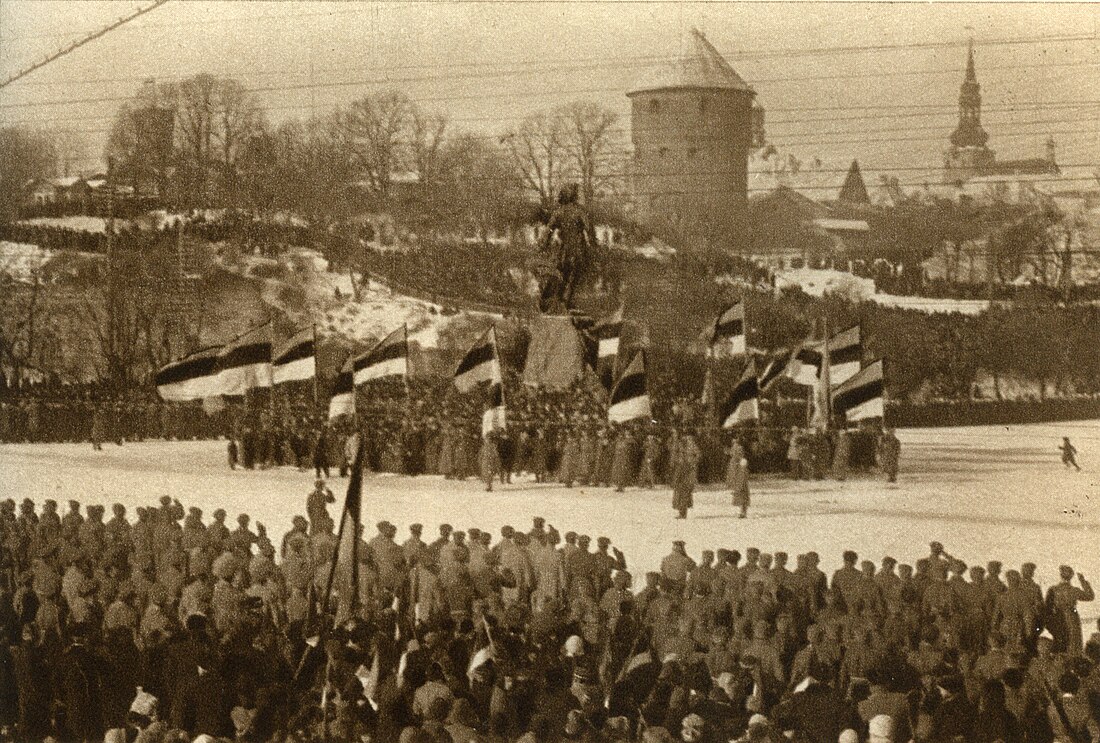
245,363
494,419
481,363
804,365
845,355
388,358
727,337
743,403
193,377
862,396
295,360
773,370
629,398
342,399
608,331
346,559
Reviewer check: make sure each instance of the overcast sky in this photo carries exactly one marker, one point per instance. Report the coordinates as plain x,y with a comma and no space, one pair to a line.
488,65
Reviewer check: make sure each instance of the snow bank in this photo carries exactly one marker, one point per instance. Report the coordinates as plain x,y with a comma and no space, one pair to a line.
19,261
79,222
822,282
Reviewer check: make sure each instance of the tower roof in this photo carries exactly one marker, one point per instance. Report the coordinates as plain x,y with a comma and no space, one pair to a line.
700,66
854,190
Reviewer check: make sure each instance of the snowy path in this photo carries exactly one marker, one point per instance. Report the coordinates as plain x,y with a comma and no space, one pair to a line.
986,493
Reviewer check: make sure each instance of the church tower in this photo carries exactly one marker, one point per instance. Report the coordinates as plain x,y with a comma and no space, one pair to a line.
692,126
968,155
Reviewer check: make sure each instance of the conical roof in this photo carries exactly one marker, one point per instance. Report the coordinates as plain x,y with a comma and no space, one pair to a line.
699,66
854,190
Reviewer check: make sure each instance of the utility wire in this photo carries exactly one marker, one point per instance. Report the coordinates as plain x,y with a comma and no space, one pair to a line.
81,42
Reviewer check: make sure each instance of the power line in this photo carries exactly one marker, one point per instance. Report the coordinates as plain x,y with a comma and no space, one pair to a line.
81,42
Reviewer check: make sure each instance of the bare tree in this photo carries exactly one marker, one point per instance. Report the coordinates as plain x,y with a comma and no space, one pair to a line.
538,150
587,129
374,132
26,154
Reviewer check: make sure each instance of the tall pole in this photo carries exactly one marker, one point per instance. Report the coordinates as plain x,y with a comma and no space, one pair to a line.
316,393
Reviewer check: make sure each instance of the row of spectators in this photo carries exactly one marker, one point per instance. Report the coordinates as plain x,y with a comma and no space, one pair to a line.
176,627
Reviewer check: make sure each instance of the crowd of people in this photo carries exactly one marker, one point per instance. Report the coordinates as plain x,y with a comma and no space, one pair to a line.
177,627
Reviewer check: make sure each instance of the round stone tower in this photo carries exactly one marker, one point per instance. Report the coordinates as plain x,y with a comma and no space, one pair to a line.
692,130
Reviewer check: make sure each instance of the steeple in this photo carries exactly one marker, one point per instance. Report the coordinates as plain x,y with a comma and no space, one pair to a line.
969,132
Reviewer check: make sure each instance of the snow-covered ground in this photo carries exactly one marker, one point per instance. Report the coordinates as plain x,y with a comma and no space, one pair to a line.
79,222
819,282
986,493
19,261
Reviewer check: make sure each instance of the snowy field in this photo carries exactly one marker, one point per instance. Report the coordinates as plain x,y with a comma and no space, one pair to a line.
986,493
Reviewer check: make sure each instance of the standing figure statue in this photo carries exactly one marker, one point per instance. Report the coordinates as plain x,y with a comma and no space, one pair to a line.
572,254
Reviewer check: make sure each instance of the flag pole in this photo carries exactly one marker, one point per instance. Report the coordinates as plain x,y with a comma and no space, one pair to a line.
316,393
826,379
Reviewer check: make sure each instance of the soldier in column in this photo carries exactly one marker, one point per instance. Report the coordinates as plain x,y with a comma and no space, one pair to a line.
651,457
622,461
841,455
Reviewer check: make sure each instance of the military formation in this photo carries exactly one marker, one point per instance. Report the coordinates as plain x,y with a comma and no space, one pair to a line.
176,627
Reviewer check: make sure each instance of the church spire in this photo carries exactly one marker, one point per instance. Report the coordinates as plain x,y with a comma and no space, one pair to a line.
969,132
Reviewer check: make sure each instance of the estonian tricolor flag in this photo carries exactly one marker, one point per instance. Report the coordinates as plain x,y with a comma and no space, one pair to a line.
389,358
743,403
804,365
727,337
845,355
861,397
342,399
608,331
194,377
774,369
246,362
295,360
494,419
629,398
480,364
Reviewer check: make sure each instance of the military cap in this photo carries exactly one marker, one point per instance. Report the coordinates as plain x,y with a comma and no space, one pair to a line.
383,525
243,518
994,566
445,528
458,536
849,556
889,561
584,539
678,543
570,536
49,504
220,513
118,508
507,531
416,528
165,500
474,532
603,541
195,511
73,504
539,521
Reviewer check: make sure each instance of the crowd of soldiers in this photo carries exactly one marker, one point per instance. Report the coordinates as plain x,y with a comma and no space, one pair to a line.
173,627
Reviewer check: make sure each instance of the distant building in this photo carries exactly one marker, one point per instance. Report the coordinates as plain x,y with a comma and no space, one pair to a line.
693,125
969,156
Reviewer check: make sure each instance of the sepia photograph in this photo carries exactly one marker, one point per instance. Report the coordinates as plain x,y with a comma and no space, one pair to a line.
549,371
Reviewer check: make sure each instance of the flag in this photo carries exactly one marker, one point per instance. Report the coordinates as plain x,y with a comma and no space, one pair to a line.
608,331
629,398
861,397
804,364
245,363
295,360
481,657
388,358
845,355
342,399
193,377
480,364
493,419
727,337
743,403
773,370
347,538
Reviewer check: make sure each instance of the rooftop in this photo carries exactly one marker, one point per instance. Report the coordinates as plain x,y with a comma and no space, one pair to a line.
699,66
